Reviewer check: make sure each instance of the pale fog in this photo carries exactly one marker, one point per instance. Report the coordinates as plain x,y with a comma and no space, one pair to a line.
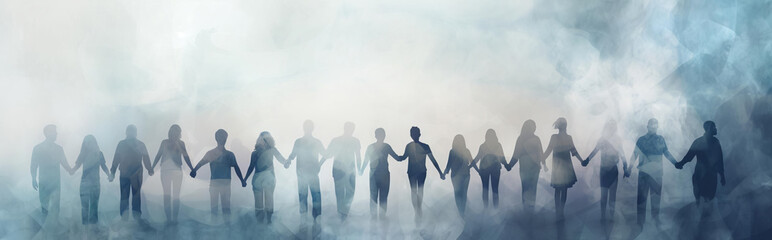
448,67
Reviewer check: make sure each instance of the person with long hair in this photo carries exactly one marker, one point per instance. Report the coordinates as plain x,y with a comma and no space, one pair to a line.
491,158
528,151
92,159
563,176
264,180
171,153
459,162
610,146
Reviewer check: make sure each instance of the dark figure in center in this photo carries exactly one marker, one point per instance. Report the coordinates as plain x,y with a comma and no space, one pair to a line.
491,157
377,155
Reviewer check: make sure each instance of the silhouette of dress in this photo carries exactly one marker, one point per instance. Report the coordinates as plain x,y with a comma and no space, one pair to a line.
710,162
563,175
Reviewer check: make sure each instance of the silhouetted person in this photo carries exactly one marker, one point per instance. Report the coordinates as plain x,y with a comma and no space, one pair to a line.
171,153
459,162
130,156
610,147
491,157
416,153
264,181
528,151
563,176
307,149
47,157
220,162
649,148
92,159
345,149
710,163
377,155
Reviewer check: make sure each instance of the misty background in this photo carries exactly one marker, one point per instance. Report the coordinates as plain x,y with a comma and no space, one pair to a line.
448,67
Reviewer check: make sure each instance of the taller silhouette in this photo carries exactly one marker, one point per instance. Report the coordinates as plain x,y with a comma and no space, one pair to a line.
528,152
377,155
171,153
459,162
563,176
307,149
92,159
491,157
649,149
46,159
220,162
264,181
710,163
610,146
130,156
346,151
416,153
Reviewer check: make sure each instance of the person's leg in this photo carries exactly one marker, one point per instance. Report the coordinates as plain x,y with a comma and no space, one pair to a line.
125,191
603,201
413,179
271,185
45,196
166,184
558,206
485,177
495,187
383,193
373,194
420,192
136,200
656,196
612,198
350,187
85,205
643,191
94,204
259,207
316,195
529,192
214,196
225,199
340,190
176,184
303,187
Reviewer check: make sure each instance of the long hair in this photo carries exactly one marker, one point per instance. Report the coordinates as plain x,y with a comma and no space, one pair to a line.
265,140
175,132
490,136
529,128
89,145
459,143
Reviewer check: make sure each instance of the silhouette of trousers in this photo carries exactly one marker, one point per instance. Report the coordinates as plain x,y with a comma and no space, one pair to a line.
529,179
220,190
648,186
49,196
131,184
309,182
89,201
490,176
460,188
263,186
379,192
345,183
171,180
417,190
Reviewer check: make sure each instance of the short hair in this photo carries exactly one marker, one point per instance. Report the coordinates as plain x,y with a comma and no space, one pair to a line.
49,129
708,124
652,121
415,130
380,132
221,136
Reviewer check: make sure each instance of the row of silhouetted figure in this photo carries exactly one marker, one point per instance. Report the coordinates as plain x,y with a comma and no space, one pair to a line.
131,156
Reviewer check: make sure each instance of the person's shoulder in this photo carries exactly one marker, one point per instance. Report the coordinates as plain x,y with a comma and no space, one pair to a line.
424,145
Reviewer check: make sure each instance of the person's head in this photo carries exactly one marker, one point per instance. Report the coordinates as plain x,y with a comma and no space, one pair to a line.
380,134
529,128
49,131
490,136
610,129
308,127
131,131
561,124
458,142
348,128
710,128
175,132
89,144
415,133
221,136
652,125
266,140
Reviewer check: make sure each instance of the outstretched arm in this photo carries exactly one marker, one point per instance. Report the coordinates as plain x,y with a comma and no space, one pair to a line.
146,159
185,156
280,158
476,159
78,163
252,162
238,172
592,154
63,160
436,165
33,168
447,165
116,159
103,164
158,155
687,158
